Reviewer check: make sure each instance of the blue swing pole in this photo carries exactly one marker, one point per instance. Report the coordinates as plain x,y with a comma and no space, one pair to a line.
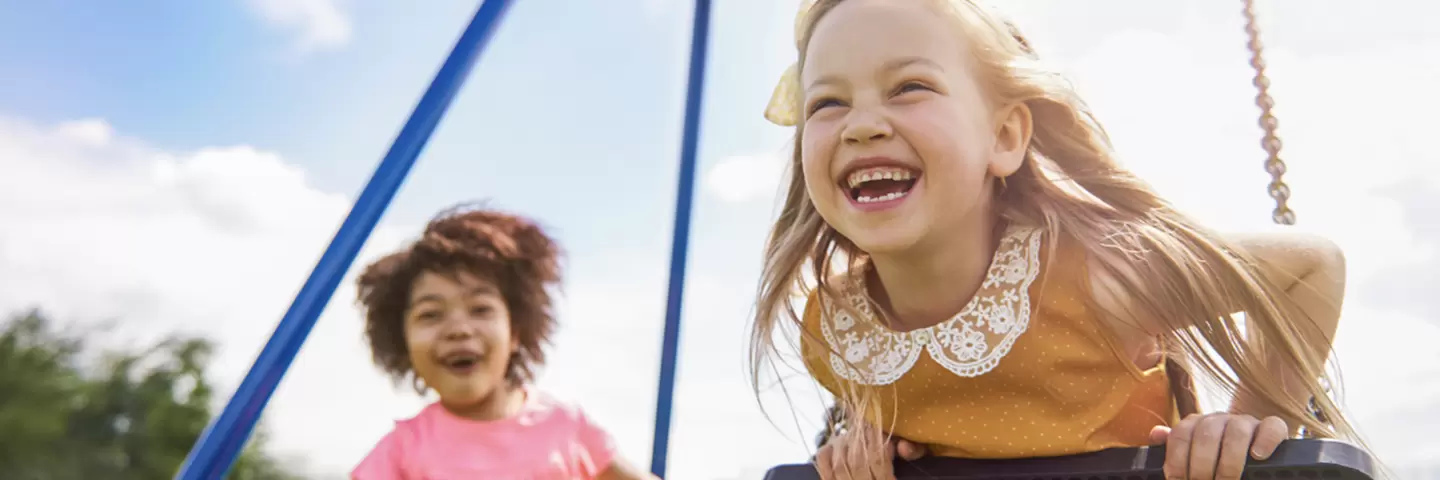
215,452
684,198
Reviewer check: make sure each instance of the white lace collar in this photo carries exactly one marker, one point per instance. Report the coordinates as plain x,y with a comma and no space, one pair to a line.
968,344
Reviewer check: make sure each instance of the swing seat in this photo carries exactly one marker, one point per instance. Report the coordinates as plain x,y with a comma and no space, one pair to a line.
1294,459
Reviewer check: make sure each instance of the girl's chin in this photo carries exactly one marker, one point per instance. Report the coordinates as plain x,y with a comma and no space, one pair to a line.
889,241
466,395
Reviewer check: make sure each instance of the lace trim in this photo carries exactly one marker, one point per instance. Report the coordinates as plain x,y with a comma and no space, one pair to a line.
969,344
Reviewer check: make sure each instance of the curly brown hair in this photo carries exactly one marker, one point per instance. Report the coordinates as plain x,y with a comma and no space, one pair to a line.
512,251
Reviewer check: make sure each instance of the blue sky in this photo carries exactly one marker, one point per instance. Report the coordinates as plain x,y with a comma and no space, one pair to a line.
189,74
219,143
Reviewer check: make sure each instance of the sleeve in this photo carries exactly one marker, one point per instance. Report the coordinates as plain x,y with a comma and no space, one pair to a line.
597,442
383,462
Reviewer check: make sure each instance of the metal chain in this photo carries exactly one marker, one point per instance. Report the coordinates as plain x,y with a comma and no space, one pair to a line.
1278,189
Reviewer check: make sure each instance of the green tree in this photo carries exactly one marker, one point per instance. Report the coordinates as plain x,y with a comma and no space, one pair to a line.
68,411
38,388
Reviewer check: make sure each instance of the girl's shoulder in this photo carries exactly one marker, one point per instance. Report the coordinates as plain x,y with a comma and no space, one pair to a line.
557,414
819,303
563,408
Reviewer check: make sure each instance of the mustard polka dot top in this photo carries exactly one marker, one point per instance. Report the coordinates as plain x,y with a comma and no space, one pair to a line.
1024,370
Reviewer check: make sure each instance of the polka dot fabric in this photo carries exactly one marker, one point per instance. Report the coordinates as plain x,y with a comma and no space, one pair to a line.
1061,389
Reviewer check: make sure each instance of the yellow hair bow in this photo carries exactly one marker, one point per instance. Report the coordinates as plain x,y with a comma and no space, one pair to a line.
784,106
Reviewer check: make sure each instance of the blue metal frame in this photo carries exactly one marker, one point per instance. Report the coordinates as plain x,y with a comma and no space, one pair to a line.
684,197
223,440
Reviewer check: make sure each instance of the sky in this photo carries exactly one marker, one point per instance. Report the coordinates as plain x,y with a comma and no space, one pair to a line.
179,166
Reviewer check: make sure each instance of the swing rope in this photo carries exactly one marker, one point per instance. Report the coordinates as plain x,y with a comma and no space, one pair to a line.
1278,190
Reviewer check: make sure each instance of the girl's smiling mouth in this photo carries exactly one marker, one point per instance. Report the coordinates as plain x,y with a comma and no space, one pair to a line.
461,362
877,184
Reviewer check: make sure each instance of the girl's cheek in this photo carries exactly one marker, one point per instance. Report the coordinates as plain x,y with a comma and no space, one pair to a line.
416,341
820,130
497,337
814,149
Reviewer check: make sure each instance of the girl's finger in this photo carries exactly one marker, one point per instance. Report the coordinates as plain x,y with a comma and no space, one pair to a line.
1177,447
1268,435
1159,434
1235,447
851,460
1205,445
909,450
841,467
824,461
883,467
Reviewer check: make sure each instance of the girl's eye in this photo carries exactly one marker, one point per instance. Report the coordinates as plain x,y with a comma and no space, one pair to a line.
821,104
908,87
481,311
427,315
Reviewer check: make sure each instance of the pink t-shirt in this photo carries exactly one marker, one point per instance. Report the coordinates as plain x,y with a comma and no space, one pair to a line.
546,440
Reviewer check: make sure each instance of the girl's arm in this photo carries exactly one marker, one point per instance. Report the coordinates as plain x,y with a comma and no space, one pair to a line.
621,470
383,462
1308,268
1311,271
602,450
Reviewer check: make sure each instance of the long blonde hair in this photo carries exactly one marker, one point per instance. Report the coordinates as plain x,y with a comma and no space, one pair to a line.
1070,182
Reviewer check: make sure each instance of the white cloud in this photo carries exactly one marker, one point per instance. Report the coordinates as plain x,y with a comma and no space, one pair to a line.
663,10
216,241
319,24
744,178
91,132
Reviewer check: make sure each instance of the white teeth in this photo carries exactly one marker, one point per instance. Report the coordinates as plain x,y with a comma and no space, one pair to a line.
883,198
877,173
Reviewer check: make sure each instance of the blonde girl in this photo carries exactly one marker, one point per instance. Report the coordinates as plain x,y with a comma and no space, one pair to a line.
982,278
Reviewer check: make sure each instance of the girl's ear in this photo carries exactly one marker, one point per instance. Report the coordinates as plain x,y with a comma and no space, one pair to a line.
1012,139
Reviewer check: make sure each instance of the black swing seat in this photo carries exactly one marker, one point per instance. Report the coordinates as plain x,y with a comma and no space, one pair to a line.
1294,459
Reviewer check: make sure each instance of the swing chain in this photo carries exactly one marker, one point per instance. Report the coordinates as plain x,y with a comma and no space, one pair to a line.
1278,189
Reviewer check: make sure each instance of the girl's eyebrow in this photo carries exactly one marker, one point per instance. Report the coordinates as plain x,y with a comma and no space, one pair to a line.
887,67
427,298
474,292
903,62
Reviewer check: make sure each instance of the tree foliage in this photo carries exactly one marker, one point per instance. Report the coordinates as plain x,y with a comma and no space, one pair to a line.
69,410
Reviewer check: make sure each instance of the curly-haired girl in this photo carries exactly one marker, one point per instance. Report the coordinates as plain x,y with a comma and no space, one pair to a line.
466,311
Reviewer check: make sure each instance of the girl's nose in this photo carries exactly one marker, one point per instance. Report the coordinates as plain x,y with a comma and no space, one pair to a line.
865,127
456,327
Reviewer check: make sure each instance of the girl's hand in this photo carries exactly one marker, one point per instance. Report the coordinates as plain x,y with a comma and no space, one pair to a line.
845,458
1216,446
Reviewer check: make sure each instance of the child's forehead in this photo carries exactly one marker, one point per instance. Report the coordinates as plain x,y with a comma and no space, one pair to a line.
867,34
456,279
